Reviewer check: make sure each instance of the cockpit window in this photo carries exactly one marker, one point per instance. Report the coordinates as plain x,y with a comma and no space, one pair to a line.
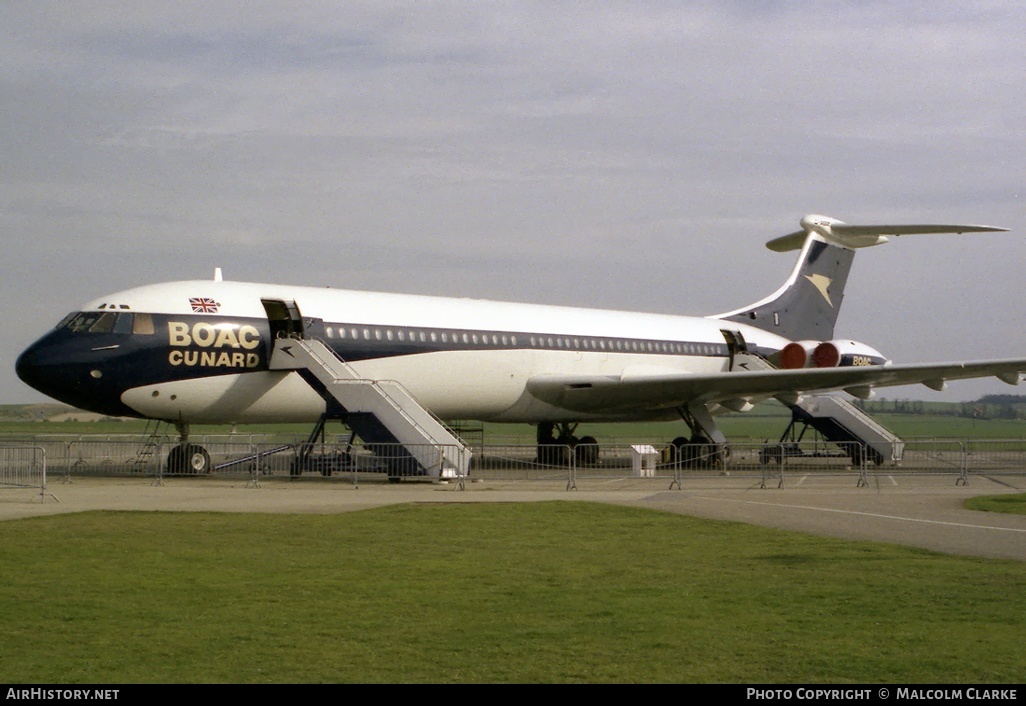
122,324
83,322
107,322
103,324
143,323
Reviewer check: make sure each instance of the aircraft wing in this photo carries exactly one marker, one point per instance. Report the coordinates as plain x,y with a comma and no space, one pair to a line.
667,390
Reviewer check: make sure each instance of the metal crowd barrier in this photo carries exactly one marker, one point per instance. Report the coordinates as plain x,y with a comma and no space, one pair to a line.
259,456
23,467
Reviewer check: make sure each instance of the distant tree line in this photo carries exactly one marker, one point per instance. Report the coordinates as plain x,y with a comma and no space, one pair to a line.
986,407
1003,399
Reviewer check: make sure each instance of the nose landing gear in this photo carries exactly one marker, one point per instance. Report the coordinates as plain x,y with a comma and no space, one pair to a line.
186,458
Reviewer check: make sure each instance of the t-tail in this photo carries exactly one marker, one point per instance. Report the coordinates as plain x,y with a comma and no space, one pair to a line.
806,306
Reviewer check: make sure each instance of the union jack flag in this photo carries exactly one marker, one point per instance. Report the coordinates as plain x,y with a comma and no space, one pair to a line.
203,305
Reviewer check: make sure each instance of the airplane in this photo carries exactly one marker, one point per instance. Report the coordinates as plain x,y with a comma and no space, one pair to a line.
217,351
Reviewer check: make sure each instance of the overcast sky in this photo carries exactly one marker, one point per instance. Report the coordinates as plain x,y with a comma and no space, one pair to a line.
620,155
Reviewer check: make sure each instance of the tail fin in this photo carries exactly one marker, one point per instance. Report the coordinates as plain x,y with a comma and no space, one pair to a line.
806,307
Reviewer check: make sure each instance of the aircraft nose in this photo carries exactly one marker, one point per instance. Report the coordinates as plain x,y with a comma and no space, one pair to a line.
71,372
31,369
44,370
25,367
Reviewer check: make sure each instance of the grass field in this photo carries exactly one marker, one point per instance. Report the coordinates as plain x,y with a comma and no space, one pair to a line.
1015,504
534,592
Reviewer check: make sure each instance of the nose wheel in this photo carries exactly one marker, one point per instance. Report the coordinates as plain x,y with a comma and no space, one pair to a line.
188,459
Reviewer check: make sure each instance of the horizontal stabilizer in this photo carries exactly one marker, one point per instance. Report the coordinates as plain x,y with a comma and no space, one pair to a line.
861,236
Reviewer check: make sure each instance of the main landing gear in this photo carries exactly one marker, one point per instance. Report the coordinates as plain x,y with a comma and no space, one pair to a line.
707,446
698,452
557,441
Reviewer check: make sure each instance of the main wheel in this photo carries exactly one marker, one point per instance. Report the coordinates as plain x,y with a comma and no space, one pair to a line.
716,455
771,454
689,453
678,450
587,451
858,454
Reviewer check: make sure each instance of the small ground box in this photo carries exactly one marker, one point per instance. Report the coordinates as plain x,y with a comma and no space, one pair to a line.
643,460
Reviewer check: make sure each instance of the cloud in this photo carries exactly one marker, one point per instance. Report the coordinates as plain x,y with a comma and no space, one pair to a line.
634,155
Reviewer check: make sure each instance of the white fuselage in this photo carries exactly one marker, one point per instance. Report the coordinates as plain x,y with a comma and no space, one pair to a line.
460,358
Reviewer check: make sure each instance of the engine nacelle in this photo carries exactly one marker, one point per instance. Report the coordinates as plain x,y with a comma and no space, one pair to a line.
843,353
797,354
826,354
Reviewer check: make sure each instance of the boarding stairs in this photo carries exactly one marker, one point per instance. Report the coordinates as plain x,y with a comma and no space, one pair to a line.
379,411
837,420
840,421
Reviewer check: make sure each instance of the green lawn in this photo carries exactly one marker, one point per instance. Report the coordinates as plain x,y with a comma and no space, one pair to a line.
1015,504
533,592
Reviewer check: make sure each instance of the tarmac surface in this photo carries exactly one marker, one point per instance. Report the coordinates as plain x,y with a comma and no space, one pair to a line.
920,511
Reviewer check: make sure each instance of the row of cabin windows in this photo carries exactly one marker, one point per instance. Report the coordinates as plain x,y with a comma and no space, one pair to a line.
510,340
139,323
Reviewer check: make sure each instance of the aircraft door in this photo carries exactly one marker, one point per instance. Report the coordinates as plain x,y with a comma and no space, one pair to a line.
735,344
284,318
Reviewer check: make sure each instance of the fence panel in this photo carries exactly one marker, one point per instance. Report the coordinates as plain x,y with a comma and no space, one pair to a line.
996,456
104,457
24,467
522,462
931,456
242,455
